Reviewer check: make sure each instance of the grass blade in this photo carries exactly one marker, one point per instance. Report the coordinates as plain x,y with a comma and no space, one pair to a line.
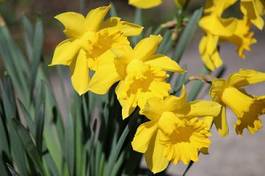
29,145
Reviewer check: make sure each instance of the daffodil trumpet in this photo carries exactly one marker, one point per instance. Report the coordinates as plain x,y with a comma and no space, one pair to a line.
247,108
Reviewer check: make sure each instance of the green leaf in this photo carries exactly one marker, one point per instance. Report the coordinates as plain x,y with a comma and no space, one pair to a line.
37,49
165,46
70,144
40,126
118,165
187,34
3,136
28,37
49,162
138,19
29,145
7,98
197,86
179,82
27,115
15,63
17,150
98,149
115,151
113,11
54,147
3,169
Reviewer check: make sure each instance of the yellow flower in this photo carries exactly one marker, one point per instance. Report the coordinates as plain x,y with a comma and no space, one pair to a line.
146,4
253,10
219,29
142,74
246,107
88,38
176,132
208,49
242,37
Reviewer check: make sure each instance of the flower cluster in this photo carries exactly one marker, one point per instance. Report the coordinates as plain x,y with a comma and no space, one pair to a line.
100,56
88,39
235,30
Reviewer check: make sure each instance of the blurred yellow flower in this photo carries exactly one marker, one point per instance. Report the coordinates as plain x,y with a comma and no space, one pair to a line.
88,38
253,10
146,4
142,74
219,29
176,132
246,107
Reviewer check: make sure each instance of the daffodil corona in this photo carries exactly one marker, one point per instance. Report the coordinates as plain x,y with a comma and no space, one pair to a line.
246,107
177,130
88,39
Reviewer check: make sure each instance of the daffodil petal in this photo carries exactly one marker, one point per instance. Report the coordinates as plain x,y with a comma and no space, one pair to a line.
209,53
220,122
177,104
153,108
246,77
165,63
95,17
128,29
72,22
105,75
143,136
217,88
200,108
64,53
154,156
159,88
145,4
212,24
80,73
249,9
147,47
128,104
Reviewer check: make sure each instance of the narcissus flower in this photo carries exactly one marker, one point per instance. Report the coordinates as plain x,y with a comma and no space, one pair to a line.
141,74
176,132
145,4
253,10
247,108
88,38
234,30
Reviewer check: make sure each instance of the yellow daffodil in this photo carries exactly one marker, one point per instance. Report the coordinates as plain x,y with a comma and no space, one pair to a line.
208,49
219,29
142,74
246,107
88,38
176,132
253,10
146,4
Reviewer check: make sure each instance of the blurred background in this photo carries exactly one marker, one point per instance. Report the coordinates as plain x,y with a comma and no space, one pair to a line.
233,155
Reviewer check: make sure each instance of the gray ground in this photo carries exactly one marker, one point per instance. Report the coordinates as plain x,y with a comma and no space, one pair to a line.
233,155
